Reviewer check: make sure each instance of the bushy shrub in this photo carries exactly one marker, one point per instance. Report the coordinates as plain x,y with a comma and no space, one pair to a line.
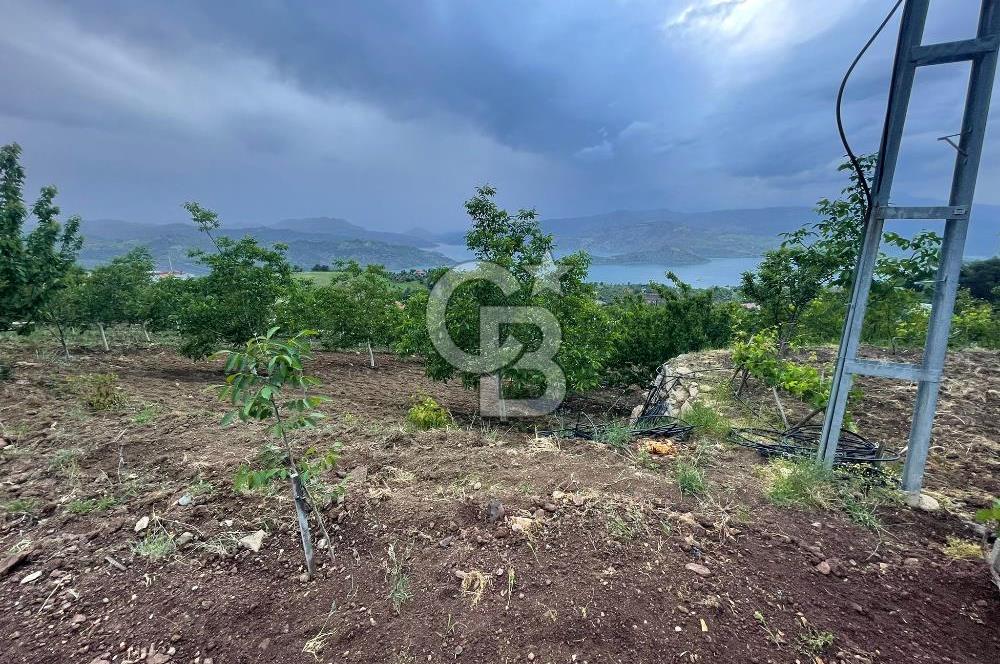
428,414
98,392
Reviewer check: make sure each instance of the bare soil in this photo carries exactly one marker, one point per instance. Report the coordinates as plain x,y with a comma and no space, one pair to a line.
601,575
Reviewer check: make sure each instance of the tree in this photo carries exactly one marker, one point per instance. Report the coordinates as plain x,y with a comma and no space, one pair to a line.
114,293
982,278
33,267
65,310
644,335
236,301
516,243
256,378
367,311
822,256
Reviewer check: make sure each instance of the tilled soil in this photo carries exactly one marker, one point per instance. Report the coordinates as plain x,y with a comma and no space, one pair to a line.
570,552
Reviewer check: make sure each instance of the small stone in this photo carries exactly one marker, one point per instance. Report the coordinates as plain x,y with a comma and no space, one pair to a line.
264,645
141,524
911,562
157,658
184,539
824,568
922,501
476,486
253,541
458,650
700,570
31,578
531,656
550,507
558,495
78,618
185,500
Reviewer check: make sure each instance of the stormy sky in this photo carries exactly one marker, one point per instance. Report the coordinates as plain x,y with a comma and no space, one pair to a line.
389,113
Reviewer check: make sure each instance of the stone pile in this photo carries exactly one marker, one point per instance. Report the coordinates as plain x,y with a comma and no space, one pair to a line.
672,393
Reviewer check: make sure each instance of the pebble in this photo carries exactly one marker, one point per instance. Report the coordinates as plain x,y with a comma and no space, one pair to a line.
31,578
185,500
253,541
700,570
141,524
823,568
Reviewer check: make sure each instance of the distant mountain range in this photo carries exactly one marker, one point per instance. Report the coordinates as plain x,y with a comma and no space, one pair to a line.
623,237
310,241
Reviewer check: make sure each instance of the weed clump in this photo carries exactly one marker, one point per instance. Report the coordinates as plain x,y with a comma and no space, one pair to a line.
690,478
426,414
799,482
707,420
99,392
960,549
84,506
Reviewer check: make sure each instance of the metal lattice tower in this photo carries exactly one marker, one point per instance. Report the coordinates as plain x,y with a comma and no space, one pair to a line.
981,51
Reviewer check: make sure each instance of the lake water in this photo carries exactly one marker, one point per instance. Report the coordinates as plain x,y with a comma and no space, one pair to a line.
716,272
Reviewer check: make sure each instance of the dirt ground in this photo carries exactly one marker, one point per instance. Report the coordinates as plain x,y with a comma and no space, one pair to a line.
479,543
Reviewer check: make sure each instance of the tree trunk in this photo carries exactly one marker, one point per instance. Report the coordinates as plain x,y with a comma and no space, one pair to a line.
62,339
371,355
104,338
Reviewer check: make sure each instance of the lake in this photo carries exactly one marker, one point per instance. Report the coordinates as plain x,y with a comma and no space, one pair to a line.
716,272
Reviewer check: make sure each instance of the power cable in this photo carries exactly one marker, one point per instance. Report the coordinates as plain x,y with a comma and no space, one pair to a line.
840,101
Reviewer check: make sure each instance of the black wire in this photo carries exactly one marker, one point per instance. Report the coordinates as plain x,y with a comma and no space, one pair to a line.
840,100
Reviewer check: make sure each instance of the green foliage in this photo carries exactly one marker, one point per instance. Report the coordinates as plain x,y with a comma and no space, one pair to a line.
272,465
257,376
84,506
32,266
758,354
644,335
617,434
515,242
822,256
29,507
428,414
690,478
982,279
706,420
155,546
799,483
357,306
99,392
974,323
115,293
237,300
990,515
815,642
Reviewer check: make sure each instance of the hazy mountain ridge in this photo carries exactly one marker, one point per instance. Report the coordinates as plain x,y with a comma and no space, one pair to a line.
624,237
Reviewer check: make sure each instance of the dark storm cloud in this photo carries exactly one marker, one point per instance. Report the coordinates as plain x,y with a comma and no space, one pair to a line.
389,112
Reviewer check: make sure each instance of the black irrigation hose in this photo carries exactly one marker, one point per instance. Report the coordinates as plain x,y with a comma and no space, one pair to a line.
804,442
647,425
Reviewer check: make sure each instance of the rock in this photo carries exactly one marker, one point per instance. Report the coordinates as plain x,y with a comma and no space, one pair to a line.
923,502
253,541
494,511
823,568
185,500
157,658
141,524
550,507
184,539
264,645
477,486
700,570
78,618
558,495
10,562
911,562
522,524
458,650
31,578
